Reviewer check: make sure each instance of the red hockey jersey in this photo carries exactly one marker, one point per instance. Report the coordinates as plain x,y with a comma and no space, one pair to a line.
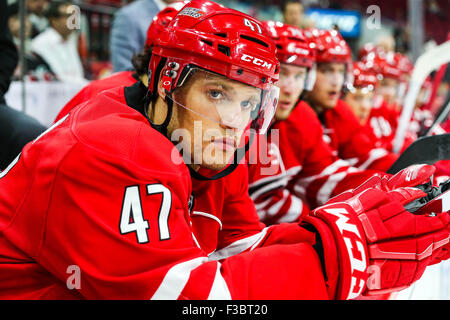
302,172
383,123
99,197
349,139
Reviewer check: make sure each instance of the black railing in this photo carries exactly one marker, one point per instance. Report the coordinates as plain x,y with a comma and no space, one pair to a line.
99,19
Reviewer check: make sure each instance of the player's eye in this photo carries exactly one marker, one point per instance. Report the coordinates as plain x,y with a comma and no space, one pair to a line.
215,94
248,105
300,76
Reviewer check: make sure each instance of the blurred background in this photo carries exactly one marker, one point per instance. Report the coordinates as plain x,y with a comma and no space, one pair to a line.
100,37
360,22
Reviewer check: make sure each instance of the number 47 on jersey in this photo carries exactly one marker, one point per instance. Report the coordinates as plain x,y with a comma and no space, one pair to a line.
132,216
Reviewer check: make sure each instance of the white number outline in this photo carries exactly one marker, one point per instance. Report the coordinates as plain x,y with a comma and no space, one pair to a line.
132,208
252,25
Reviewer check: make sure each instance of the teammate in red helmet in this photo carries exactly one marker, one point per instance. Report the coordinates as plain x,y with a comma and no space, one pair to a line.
390,88
342,129
360,94
390,78
301,171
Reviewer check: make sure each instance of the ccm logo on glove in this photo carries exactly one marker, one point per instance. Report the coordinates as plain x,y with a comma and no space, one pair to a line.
356,250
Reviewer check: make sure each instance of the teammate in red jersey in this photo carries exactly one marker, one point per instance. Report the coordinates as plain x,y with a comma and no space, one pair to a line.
360,97
113,198
391,86
342,130
301,171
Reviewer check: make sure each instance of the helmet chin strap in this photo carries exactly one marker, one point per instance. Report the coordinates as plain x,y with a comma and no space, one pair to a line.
163,126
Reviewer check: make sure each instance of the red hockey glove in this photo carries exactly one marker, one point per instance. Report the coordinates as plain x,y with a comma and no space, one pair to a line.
415,175
372,245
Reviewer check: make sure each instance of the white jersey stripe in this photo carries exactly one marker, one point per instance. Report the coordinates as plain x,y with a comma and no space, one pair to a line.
374,155
219,289
274,185
176,279
294,211
332,168
275,208
324,193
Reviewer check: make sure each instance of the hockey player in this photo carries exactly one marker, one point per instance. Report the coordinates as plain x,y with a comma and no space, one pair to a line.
301,171
112,198
359,95
342,130
385,113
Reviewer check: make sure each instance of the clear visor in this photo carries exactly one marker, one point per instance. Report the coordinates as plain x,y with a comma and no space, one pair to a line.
336,79
311,78
302,81
227,102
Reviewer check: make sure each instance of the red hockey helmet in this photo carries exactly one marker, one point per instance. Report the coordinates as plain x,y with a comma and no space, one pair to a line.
293,48
330,47
364,76
291,43
161,21
369,51
403,63
209,37
386,67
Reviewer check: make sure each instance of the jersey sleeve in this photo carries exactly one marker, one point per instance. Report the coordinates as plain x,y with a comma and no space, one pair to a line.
268,181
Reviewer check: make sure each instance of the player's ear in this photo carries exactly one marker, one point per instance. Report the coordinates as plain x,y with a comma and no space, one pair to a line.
161,90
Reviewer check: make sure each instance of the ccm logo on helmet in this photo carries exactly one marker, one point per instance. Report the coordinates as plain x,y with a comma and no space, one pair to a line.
256,61
355,248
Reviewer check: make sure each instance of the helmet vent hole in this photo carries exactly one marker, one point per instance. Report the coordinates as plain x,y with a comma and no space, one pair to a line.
225,50
243,36
209,43
222,35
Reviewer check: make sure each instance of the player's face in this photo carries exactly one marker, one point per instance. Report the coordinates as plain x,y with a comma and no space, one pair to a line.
291,84
361,102
293,14
421,97
328,85
388,89
215,111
